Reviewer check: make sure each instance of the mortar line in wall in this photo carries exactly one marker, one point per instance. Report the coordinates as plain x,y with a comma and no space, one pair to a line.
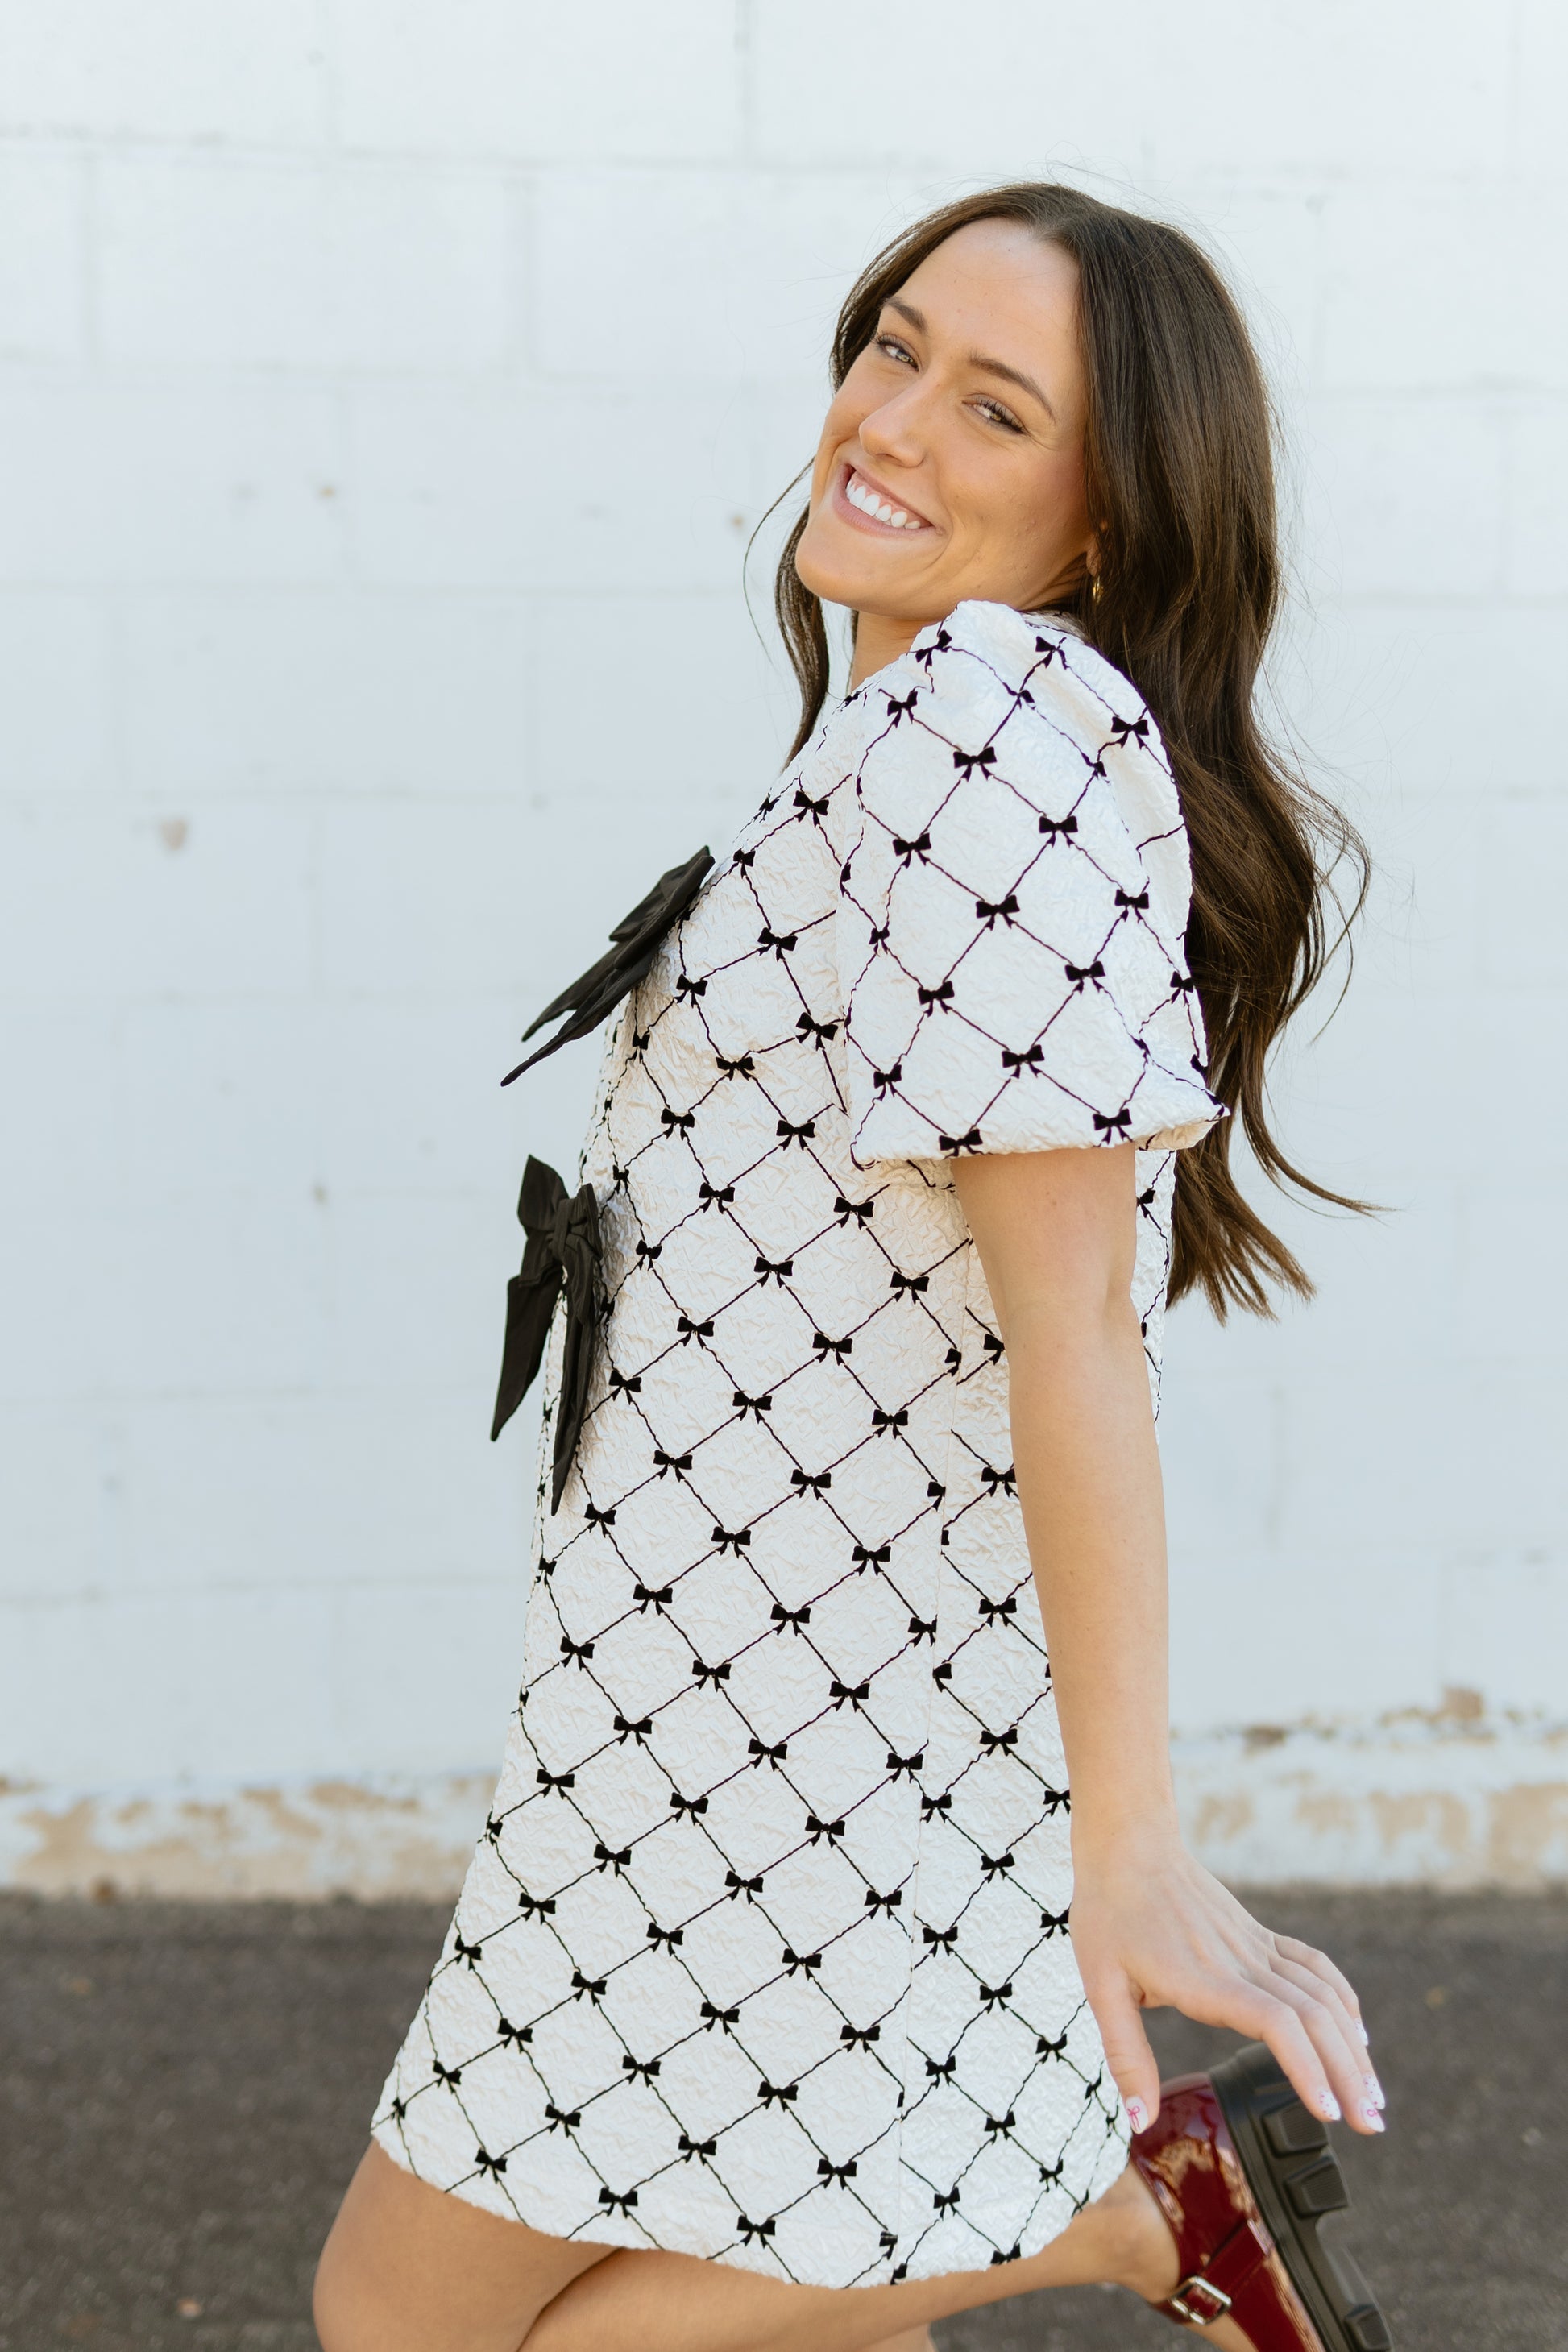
521,338
745,71
326,152
1291,180
1508,472
1515,71
332,79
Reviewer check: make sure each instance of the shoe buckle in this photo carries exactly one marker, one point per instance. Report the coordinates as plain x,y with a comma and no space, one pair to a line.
1217,2300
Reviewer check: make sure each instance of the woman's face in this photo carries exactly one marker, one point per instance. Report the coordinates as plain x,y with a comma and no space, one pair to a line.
950,463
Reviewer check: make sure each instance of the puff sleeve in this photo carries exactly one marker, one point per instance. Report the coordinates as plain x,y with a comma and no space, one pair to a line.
1014,905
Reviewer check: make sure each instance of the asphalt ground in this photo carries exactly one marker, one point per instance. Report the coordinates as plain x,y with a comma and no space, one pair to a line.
184,2089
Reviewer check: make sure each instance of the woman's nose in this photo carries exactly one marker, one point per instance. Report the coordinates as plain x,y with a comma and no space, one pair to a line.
893,431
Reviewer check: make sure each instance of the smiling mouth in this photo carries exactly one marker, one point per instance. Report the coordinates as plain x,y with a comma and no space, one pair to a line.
871,502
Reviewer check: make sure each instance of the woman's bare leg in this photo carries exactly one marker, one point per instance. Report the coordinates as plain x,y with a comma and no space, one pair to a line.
670,2303
407,2268
410,2269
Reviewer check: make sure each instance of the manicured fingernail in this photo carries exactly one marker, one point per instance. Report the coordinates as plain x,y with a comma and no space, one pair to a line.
1362,2031
1369,2117
1375,2087
1137,2115
1329,2105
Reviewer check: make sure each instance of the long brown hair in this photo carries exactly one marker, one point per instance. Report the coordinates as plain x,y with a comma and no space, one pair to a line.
1179,464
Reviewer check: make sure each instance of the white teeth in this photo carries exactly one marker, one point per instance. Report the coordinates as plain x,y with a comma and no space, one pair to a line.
859,494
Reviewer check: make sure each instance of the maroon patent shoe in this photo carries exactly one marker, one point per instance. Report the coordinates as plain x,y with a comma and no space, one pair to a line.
1243,2174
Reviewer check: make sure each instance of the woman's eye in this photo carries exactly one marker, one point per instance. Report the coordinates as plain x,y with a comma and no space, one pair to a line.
998,415
894,349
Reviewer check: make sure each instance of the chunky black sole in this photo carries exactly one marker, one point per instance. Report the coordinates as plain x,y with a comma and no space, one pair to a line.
1294,2174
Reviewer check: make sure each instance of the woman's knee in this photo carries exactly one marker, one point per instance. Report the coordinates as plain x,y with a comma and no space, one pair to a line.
343,2300
356,2294
408,2268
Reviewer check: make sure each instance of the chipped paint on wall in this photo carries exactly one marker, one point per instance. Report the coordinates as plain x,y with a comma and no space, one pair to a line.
369,1838
1452,1799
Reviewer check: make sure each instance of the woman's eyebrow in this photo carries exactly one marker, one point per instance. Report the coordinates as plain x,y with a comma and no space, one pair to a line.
978,359
1011,375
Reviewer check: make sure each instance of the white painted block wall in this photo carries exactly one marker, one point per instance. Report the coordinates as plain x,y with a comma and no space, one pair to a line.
387,391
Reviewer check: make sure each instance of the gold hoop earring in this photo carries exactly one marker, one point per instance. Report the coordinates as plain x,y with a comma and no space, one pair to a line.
1094,588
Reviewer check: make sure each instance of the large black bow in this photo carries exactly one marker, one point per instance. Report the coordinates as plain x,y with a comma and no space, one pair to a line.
563,1251
635,942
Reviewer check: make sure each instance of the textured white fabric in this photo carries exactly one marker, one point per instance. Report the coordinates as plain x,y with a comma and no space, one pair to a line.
763,1953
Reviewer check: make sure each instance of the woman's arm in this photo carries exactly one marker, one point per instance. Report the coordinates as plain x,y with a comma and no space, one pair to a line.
1057,1231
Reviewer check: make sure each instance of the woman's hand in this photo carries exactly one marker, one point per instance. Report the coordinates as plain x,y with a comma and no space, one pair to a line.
1056,1232
1152,1929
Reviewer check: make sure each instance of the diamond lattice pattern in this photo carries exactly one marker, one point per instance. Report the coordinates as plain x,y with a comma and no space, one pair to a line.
763,1953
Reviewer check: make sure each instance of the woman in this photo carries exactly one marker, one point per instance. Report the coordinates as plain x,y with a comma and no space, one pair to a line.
764,1958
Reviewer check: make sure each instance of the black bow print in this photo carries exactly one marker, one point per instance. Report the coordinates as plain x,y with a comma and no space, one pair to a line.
967,762
562,1253
635,940
993,1740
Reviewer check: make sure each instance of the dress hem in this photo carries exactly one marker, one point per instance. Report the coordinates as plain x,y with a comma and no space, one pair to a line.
760,2262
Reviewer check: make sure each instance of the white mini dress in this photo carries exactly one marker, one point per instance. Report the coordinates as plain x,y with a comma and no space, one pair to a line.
762,1955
